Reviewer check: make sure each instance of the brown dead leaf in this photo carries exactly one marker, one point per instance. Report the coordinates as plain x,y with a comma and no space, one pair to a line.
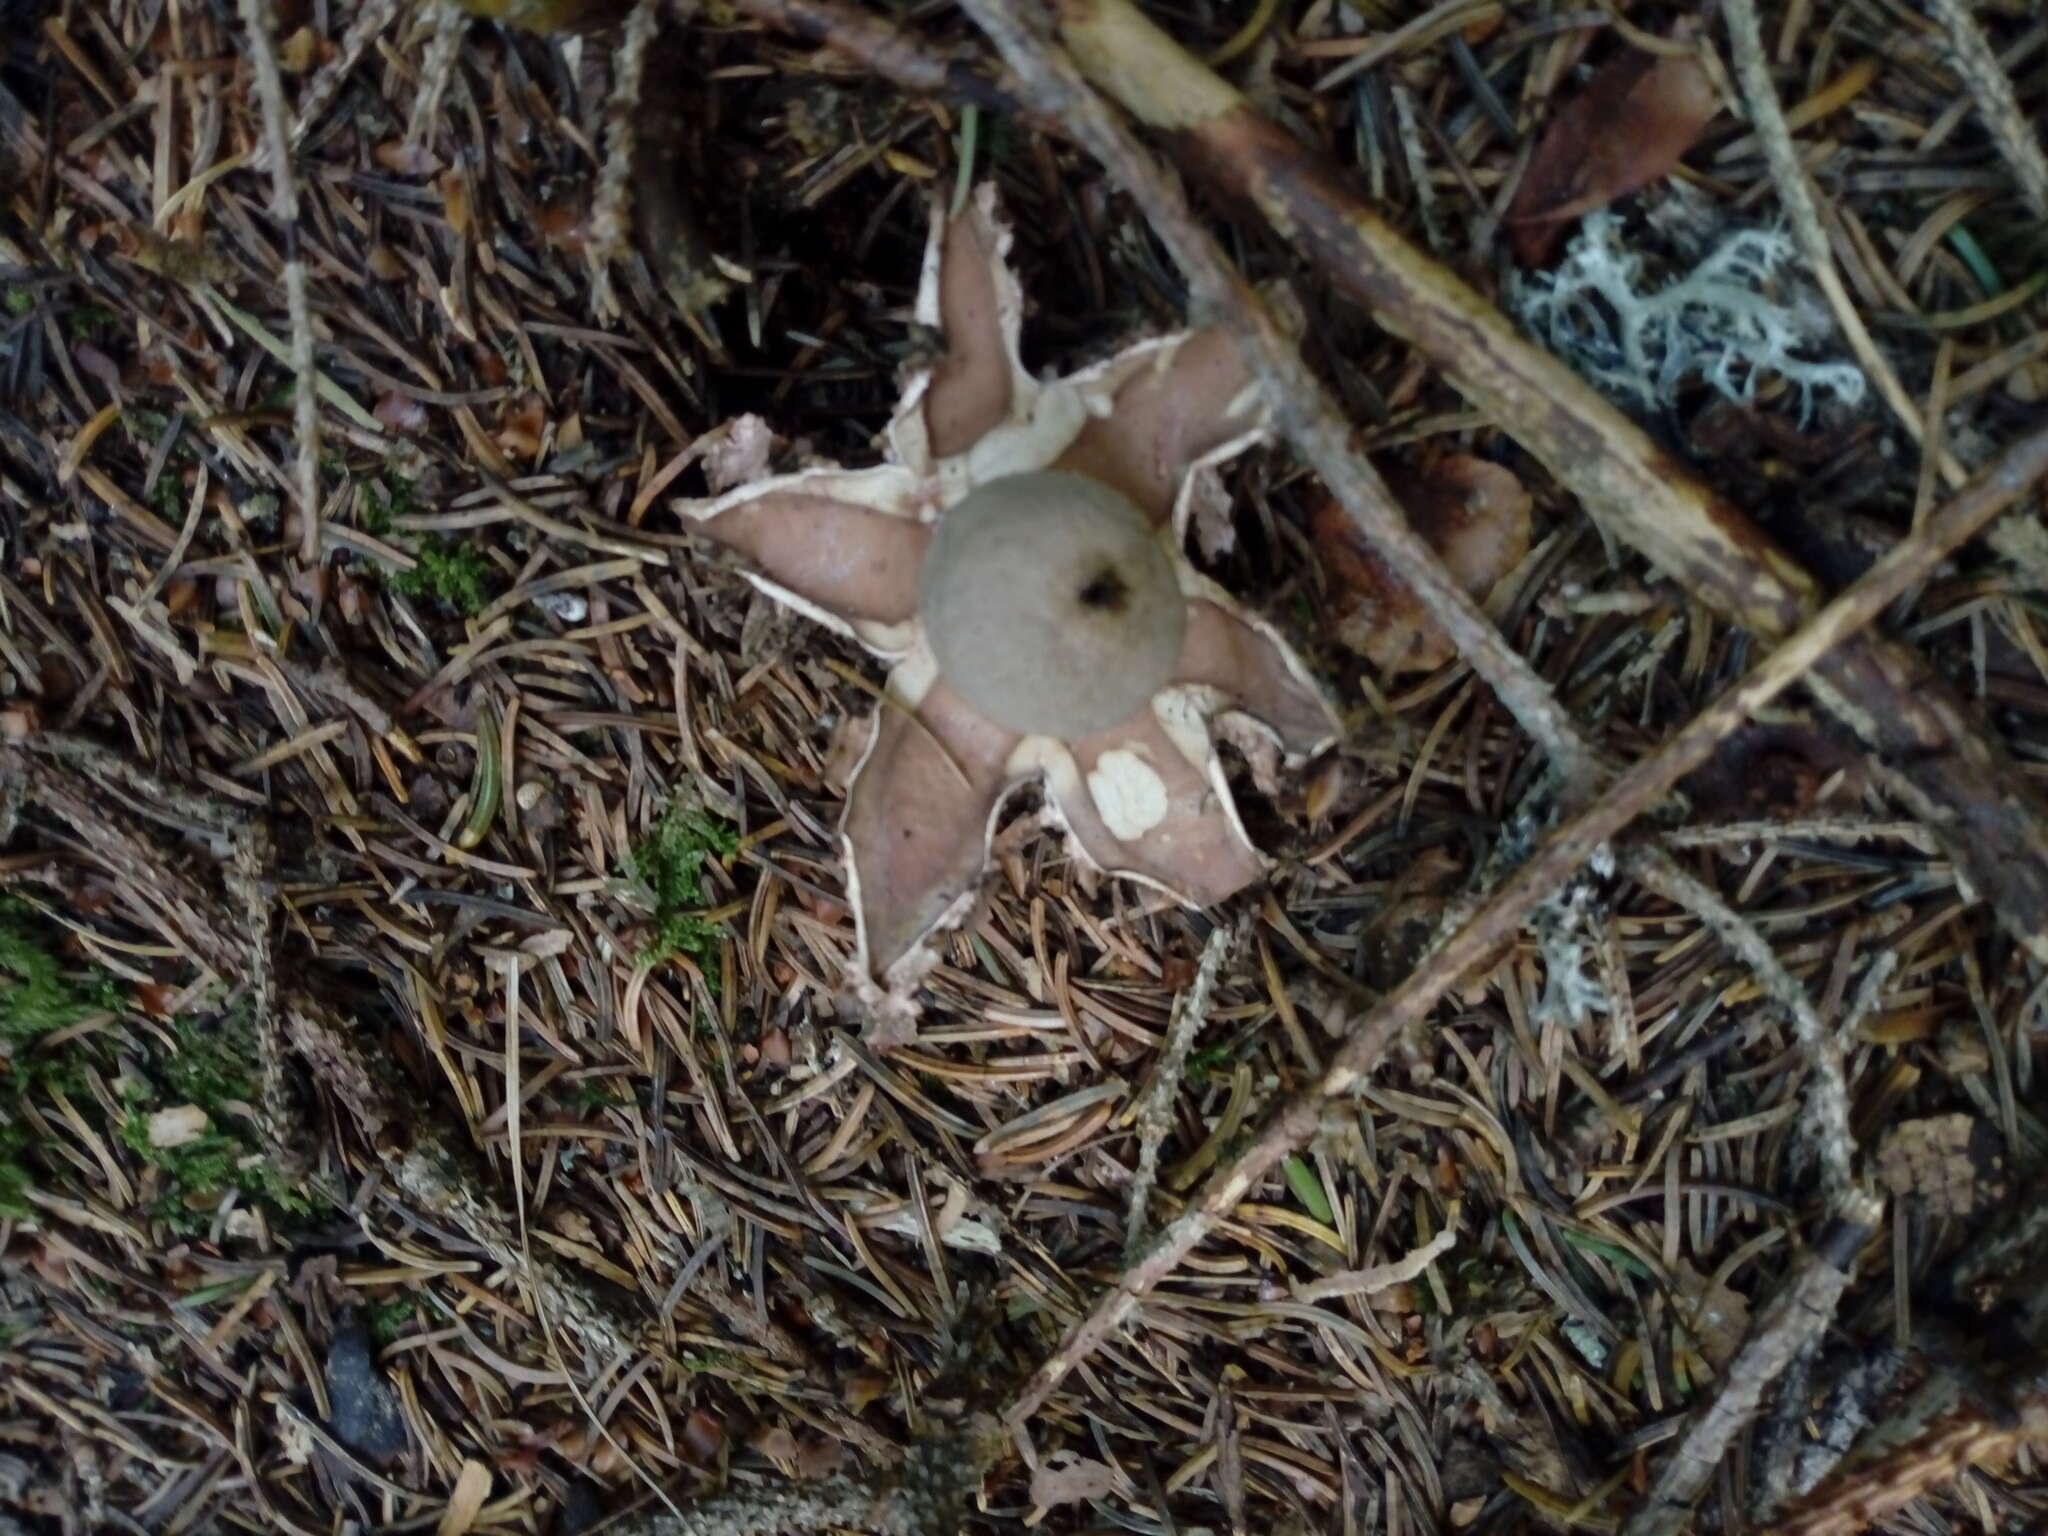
776,1443
1473,513
155,997
385,264
1632,123
1717,1316
454,200
299,52
523,426
819,1456
574,1225
866,1388
1329,786
20,721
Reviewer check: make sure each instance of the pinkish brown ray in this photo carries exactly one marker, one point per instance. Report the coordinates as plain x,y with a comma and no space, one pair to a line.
1225,652
1166,419
1137,806
916,822
843,558
970,390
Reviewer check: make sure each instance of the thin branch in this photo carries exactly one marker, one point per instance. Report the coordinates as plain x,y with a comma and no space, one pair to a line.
1303,409
611,214
284,207
777,1509
1503,912
319,91
1991,90
1829,1090
1838,1422
1774,1449
1859,1500
437,67
1155,1107
1792,1320
1795,191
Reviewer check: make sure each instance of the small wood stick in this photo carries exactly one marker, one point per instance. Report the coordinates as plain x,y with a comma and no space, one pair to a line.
372,19
611,214
1155,1107
437,68
284,205
1829,1093
1767,116
1799,1312
1991,90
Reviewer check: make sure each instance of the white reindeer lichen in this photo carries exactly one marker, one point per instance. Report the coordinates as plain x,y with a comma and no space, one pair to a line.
1739,317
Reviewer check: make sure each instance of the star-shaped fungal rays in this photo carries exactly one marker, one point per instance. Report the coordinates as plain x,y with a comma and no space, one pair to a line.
1019,563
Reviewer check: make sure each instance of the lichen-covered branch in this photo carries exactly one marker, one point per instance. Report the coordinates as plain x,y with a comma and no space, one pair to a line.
1991,89
1828,1091
1155,1106
1799,1312
256,21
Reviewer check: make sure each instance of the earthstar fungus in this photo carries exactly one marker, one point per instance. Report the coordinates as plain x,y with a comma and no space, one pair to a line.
1018,562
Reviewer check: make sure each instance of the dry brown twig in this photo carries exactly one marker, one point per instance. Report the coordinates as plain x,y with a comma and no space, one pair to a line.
368,25
611,215
891,51
1503,912
284,207
1155,1105
1858,1500
1795,192
1796,1315
447,26
1992,90
1829,1089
